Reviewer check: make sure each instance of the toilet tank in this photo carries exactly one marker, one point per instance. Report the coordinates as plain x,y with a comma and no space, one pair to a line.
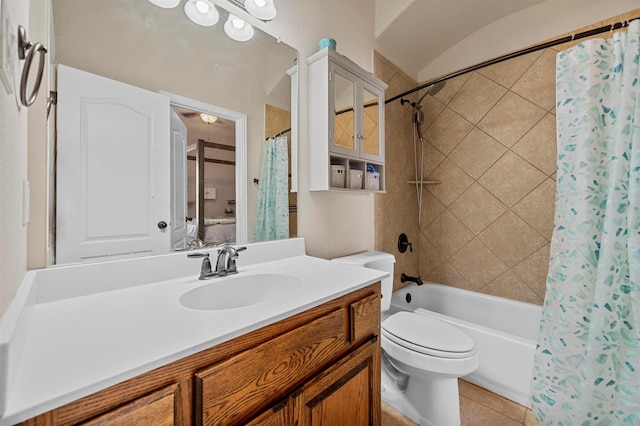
377,260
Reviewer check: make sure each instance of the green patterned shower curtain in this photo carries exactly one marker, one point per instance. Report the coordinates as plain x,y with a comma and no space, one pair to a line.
272,221
587,363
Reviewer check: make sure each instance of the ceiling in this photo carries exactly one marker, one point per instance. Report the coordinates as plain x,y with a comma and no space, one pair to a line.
431,38
412,34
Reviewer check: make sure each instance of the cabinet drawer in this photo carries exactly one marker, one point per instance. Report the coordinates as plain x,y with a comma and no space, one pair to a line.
364,318
231,391
157,409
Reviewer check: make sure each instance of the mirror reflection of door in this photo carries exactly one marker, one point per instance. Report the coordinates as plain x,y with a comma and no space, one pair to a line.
211,184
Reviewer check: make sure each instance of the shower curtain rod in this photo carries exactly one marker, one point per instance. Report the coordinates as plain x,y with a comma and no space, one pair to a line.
531,49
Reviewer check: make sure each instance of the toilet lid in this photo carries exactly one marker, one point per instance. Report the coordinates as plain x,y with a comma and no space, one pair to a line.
427,335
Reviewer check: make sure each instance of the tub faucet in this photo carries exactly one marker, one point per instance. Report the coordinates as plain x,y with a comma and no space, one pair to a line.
226,263
404,277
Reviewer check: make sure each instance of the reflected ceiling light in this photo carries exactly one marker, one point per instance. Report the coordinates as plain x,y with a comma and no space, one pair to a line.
202,12
167,4
237,29
261,9
208,118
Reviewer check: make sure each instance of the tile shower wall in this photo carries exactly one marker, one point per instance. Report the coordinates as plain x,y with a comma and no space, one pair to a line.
491,143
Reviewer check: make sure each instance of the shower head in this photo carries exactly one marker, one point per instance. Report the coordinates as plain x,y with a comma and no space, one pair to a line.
432,90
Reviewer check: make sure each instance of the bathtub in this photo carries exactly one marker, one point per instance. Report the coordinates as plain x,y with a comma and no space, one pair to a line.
504,332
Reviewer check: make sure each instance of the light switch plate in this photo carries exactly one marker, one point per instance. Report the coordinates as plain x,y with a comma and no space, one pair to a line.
8,49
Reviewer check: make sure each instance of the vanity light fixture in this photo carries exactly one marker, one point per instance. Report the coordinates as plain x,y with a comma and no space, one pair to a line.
166,4
202,12
261,9
205,13
237,29
208,118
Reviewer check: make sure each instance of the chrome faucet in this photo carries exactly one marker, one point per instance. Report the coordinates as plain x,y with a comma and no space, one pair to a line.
226,263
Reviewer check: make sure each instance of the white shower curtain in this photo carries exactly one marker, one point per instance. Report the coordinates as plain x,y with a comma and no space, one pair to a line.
272,221
587,363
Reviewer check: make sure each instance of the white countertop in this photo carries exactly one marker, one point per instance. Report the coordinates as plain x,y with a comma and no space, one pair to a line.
75,346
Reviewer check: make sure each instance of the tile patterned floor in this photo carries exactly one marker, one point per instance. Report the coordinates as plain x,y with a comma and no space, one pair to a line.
478,407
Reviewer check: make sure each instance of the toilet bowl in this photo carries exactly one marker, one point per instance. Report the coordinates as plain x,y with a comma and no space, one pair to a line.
423,356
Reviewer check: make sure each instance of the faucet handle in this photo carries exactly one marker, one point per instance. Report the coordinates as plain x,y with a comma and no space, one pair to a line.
205,269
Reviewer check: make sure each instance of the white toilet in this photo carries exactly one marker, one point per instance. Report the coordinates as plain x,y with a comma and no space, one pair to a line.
422,357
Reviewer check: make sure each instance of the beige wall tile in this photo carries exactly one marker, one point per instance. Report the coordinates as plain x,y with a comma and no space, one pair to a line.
476,97
539,145
477,208
430,256
511,239
447,131
477,152
453,182
432,158
447,274
448,234
538,83
431,208
533,270
506,73
477,264
511,179
537,208
509,285
511,118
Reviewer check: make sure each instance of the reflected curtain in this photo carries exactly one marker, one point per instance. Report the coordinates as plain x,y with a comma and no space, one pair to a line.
587,363
272,221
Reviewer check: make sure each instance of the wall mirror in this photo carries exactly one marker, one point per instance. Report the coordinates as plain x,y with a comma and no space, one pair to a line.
161,50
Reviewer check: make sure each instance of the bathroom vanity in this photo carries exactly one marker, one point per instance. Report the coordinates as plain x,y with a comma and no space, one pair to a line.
304,357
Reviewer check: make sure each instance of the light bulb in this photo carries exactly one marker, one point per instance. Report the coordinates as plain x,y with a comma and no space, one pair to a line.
261,9
238,23
202,12
202,6
237,29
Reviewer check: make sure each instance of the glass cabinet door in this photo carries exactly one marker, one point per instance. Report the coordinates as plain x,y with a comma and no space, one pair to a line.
371,124
344,119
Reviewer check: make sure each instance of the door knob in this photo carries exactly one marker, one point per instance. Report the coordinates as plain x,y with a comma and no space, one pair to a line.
162,224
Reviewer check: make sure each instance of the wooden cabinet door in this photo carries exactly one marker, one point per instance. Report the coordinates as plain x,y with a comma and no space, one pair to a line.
156,409
346,394
278,415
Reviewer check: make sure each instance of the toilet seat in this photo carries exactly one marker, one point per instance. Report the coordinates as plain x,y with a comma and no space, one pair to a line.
428,336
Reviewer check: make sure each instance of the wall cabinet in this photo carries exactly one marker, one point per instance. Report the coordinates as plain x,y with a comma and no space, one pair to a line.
346,122
321,366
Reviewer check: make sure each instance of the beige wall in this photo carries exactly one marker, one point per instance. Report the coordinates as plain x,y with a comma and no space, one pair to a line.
15,149
491,143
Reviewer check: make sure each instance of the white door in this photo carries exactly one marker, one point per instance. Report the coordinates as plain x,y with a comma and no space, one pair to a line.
178,182
113,169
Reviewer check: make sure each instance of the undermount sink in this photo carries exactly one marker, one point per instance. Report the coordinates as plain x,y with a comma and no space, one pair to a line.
239,291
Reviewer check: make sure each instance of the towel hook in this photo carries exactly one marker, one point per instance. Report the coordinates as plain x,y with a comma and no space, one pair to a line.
27,51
